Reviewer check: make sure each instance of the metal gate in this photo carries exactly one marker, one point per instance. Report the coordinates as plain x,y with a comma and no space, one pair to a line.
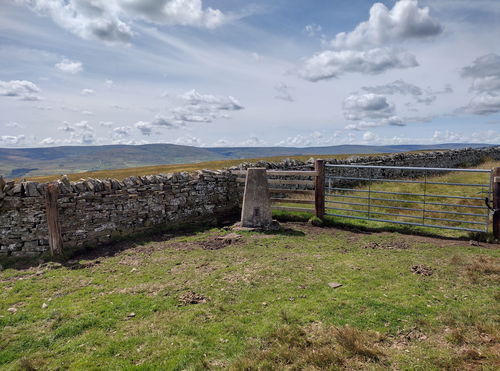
415,196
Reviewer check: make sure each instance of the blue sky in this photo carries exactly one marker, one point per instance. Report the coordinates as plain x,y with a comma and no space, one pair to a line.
248,73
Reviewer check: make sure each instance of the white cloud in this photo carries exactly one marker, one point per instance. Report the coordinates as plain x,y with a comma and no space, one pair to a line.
371,47
111,20
395,87
485,72
329,63
484,66
87,92
47,141
66,127
122,131
369,137
312,29
218,102
483,105
221,143
109,83
362,125
13,125
12,140
404,88
69,66
404,21
367,106
146,128
198,108
164,122
105,124
87,113
22,89
84,126
283,92
448,137
253,141
189,141
257,57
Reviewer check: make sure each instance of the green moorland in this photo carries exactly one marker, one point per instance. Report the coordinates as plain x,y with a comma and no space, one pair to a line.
196,300
193,301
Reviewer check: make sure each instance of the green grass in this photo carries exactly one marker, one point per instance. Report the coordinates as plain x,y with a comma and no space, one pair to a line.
268,304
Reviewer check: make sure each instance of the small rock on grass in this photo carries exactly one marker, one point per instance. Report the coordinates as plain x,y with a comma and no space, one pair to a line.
131,315
192,298
422,269
335,285
12,310
45,305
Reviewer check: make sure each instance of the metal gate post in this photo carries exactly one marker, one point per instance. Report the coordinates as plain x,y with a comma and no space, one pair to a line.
319,189
496,202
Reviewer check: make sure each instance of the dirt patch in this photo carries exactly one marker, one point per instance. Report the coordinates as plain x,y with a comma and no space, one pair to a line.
219,242
392,245
192,298
422,269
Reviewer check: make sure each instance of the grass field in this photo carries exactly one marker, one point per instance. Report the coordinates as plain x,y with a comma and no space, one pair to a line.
264,301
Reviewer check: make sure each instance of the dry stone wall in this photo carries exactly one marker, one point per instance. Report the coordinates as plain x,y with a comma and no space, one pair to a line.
439,159
95,211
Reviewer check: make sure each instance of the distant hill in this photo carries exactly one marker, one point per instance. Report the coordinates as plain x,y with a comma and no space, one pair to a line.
29,162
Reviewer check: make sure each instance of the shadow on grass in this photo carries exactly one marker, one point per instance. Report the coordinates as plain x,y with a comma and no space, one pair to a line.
329,221
71,256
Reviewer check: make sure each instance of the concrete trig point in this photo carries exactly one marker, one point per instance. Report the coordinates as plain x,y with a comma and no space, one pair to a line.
256,211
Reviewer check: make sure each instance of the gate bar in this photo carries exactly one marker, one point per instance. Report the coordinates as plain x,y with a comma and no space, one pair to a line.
408,223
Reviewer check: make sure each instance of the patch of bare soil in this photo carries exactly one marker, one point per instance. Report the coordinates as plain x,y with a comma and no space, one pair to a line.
392,245
422,269
219,242
192,298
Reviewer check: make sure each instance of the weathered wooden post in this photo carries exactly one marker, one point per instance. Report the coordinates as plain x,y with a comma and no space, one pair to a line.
319,188
55,237
496,203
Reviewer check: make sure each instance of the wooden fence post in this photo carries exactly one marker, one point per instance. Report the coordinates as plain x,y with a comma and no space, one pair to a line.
496,202
319,189
55,237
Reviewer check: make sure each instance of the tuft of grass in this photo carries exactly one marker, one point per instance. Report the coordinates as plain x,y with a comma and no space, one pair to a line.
315,346
357,342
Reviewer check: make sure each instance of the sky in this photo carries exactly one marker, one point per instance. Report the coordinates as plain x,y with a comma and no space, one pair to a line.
220,73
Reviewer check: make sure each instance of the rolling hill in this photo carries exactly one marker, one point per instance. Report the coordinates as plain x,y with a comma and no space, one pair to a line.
30,162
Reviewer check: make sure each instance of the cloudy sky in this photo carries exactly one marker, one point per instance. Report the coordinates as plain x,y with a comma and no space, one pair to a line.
249,73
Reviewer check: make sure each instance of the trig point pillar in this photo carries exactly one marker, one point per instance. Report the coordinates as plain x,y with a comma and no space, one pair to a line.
256,212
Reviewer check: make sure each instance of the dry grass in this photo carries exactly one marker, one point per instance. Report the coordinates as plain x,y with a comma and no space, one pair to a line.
314,347
121,174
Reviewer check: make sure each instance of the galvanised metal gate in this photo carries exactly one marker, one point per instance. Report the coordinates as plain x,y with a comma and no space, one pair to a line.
416,196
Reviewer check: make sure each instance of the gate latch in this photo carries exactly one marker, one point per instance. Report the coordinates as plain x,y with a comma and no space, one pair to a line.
487,202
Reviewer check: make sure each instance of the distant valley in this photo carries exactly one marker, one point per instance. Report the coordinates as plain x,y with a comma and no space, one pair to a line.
29,162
